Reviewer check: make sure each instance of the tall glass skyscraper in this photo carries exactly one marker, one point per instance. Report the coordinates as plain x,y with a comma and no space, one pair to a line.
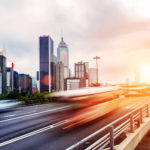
63,56
3,71
46,47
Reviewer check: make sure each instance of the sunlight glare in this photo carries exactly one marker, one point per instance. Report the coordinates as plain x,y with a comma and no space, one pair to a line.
145,73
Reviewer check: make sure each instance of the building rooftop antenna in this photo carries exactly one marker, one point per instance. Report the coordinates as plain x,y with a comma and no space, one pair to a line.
61,34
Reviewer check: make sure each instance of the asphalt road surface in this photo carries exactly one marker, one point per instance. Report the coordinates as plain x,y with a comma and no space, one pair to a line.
41,127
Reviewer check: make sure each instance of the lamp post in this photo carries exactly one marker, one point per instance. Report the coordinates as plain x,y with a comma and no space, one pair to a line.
97,58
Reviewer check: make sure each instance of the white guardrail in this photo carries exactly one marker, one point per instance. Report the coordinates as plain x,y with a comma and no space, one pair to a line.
110,132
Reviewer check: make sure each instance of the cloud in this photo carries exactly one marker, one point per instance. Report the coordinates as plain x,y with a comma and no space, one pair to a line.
105,28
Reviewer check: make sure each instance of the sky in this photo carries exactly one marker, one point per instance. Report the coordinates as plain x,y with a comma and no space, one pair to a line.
118,31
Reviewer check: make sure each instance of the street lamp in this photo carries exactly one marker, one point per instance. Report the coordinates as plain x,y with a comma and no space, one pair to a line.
96,58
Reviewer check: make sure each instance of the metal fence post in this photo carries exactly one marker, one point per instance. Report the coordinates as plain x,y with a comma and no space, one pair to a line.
131,123
141,115
111,138
147,108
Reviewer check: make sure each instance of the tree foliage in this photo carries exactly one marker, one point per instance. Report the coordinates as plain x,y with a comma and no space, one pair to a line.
36,98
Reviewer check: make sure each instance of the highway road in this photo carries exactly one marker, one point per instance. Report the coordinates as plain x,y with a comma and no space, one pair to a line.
42,127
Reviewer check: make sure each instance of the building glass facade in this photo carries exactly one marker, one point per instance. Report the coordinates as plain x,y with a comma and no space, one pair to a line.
0,83
63,56
3,71
59,76
46,46
16,76
25,83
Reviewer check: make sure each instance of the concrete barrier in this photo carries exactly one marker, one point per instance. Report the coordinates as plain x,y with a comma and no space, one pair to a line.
133,139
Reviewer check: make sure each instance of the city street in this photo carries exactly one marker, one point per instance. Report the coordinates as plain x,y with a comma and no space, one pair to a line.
41,127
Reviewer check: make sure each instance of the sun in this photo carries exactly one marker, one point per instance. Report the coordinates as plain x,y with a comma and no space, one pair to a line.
145,73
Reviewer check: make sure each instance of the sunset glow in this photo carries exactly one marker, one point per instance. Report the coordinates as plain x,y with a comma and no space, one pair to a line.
143,7
145,73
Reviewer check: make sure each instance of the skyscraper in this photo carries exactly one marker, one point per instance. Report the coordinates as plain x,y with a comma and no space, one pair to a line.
16,77
81,77
92,76
10,79
81,70
10,76
3,71
59,76
46,47
63,56
25,83
0,81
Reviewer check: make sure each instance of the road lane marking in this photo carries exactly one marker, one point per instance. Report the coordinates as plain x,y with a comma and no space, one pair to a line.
9,116
33,133
27,113
51,110
133,105
130,106
19,114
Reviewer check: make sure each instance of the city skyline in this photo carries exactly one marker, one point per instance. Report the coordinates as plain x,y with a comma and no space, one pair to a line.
93,31
74,74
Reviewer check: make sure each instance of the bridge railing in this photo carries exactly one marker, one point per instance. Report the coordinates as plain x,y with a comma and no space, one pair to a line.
128,122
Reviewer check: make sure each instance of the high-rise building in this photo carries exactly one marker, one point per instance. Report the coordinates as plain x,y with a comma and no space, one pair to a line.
59,76
10,79
55,59
16,77
81,70
81,77
53,76
0,82
25,83
87,69
3,71
63,56
92,76
37,81
46,48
